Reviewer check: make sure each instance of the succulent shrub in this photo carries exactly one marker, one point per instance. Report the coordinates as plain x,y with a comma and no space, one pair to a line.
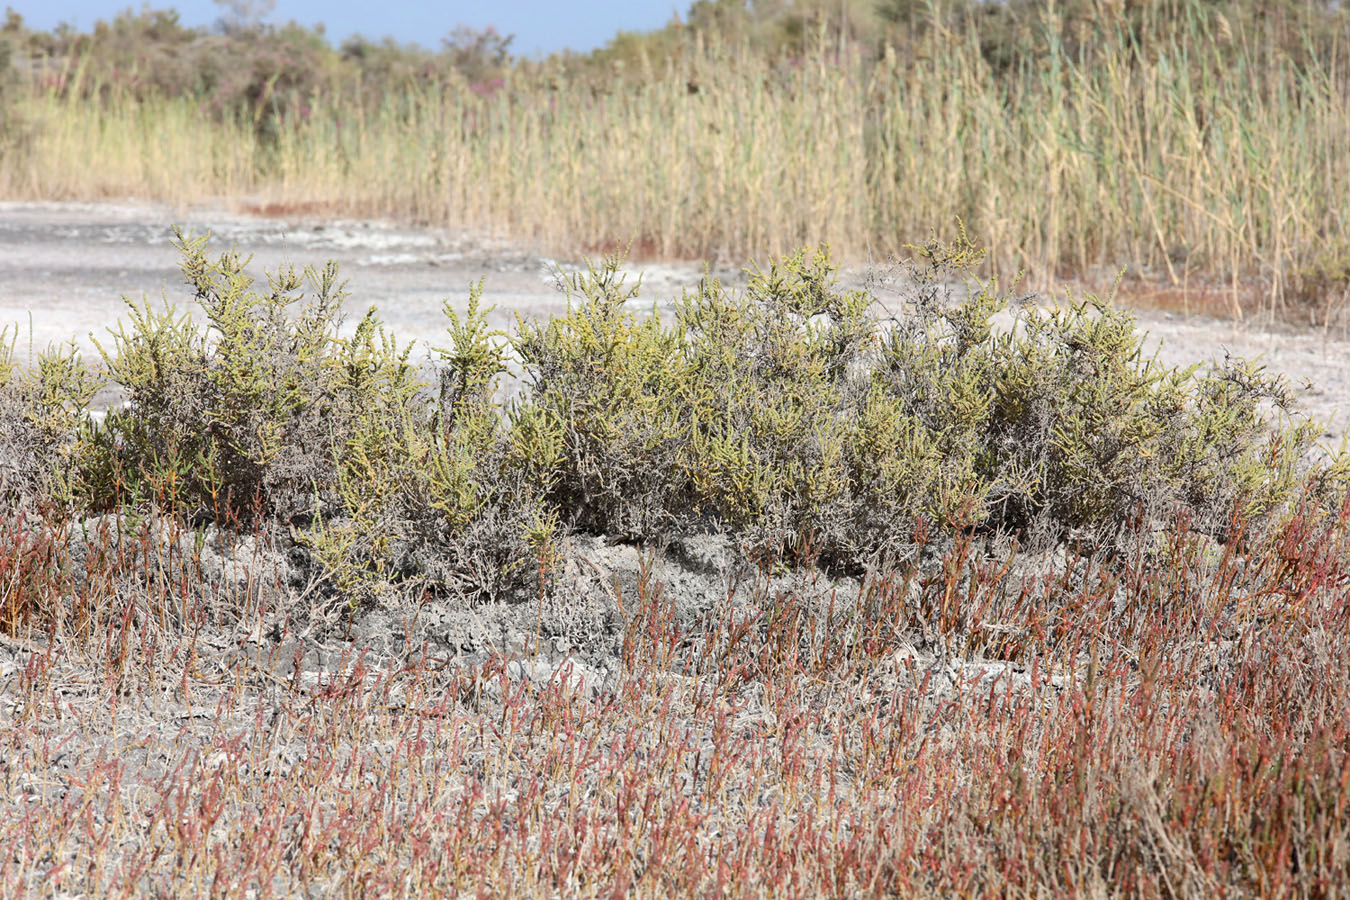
248,409
45,429
795,415
463,479
779,371
268,415
616,387
802,419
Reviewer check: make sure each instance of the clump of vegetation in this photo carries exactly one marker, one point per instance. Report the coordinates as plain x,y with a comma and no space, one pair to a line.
242,68
267,416
45,429
236,415
793,416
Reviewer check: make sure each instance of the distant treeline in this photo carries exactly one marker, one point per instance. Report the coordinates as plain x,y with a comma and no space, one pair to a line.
240,62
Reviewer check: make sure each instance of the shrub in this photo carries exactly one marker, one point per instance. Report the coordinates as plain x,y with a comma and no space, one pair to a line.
269,416
618,388
794,411
451,492
248,409
792,415
45,429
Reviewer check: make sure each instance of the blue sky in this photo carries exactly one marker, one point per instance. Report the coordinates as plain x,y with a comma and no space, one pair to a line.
540,26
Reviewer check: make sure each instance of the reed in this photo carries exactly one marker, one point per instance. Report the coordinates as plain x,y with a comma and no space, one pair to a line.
1210,158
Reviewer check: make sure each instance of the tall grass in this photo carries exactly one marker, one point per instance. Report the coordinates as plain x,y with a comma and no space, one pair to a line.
1207,157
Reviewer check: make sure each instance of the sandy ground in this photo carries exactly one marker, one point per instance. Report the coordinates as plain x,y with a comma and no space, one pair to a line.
65,267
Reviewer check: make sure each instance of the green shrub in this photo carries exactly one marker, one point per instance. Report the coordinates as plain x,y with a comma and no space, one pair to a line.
269,415
617,388
248,410
780,371
452,491
792,412
61,389
45,429
792,415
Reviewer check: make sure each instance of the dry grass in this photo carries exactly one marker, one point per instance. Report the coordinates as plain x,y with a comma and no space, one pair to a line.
1210,160
992,727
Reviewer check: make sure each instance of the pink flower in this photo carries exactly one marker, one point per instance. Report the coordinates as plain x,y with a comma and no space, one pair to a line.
487,88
